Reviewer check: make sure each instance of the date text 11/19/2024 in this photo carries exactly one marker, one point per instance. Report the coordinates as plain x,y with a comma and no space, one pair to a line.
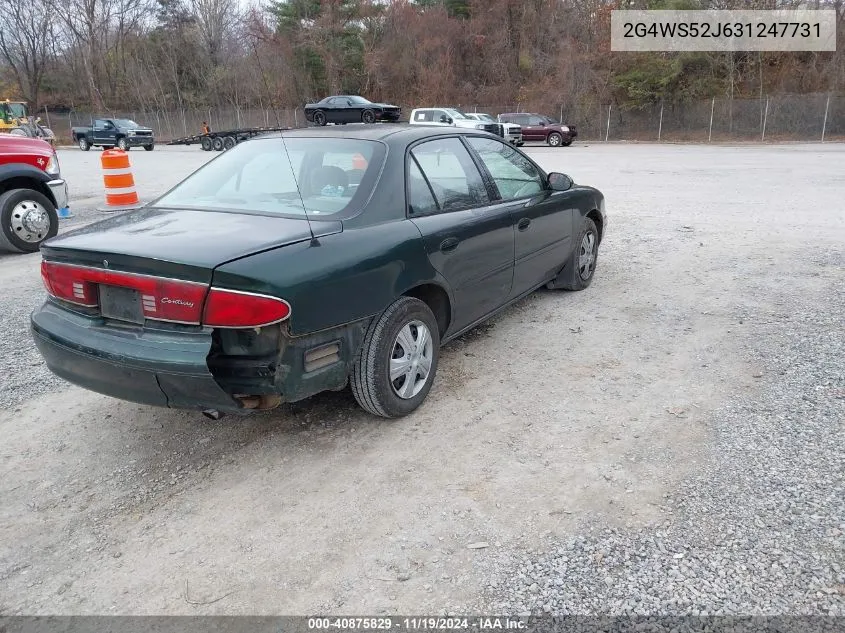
480,623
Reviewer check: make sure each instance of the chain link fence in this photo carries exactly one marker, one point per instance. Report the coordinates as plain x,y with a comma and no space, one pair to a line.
808,117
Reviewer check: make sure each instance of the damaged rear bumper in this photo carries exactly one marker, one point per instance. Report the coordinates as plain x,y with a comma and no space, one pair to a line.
155,367
187,368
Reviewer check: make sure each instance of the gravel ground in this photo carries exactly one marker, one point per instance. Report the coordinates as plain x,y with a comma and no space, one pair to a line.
669,440
759,529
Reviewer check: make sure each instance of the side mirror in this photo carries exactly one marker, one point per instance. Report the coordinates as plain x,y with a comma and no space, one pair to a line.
445,119
560,182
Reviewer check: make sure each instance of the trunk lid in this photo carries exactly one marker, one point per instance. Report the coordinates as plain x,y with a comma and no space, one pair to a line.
176,243
158,264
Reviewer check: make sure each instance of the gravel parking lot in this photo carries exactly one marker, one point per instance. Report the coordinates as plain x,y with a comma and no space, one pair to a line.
668,441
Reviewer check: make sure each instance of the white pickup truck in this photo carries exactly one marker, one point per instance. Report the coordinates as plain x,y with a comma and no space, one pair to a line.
455,118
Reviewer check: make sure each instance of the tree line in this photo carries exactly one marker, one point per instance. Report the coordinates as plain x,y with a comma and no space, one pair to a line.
101,55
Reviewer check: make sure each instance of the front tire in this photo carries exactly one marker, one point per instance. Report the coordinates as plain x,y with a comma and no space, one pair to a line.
319,118
397,362
581,268
123,145
206,144
27,218
149,148
554,139
368,116
84,145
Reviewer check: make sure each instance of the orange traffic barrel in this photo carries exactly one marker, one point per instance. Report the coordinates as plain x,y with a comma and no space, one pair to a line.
118,180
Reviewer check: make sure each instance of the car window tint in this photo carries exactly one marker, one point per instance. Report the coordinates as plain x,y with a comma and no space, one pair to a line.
323,174
536,120
99,123
514,174
420,199
453,176
421,115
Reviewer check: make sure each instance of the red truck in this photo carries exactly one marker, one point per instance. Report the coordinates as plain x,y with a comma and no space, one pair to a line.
31,193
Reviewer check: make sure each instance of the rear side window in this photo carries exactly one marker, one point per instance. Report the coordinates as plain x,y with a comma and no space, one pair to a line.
420,199
313,176
454,178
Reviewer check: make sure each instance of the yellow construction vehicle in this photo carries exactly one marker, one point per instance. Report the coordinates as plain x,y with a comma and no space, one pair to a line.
11,113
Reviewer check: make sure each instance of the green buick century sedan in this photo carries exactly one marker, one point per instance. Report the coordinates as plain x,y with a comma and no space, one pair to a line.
308,261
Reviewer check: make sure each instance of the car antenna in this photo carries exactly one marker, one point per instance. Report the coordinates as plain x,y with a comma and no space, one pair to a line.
314,241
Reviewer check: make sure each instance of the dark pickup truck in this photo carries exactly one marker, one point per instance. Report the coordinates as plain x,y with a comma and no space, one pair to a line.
108,133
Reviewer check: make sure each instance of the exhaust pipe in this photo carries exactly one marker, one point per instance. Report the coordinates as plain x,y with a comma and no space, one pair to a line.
212,414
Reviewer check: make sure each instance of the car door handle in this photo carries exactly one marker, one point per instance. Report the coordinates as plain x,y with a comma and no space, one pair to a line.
523,224
449,244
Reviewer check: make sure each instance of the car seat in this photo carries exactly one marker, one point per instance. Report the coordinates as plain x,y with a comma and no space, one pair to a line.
326,176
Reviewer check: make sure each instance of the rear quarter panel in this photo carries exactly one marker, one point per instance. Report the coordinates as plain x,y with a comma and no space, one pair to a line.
339,278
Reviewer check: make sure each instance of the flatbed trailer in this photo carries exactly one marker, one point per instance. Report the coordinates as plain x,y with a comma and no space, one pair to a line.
227,139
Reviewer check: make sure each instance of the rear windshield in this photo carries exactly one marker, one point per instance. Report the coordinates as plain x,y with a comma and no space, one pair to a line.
317,177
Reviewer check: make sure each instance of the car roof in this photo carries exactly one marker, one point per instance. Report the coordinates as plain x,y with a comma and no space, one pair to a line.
386,132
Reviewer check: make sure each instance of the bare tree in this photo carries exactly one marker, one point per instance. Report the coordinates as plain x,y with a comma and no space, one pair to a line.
96,29
215,20
26,43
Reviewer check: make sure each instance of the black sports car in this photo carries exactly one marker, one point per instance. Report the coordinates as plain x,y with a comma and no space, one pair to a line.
350,109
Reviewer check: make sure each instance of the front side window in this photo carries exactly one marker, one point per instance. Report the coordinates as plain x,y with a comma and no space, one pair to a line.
359,101
314,176
536,120
454,178
456,114
515,176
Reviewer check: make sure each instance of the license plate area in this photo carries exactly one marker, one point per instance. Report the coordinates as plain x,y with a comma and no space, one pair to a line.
121,304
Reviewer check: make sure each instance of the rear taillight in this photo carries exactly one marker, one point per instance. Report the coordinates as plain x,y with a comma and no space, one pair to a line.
235,309
161,298
164,299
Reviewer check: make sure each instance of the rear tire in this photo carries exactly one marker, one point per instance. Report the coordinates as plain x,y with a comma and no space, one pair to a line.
581,268
319,118
217,143
206,143
84,145
229,142
404,340
27,218
368,116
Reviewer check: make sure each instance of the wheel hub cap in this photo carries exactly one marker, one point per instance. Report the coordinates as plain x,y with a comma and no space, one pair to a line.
30,221
410,363
587,256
